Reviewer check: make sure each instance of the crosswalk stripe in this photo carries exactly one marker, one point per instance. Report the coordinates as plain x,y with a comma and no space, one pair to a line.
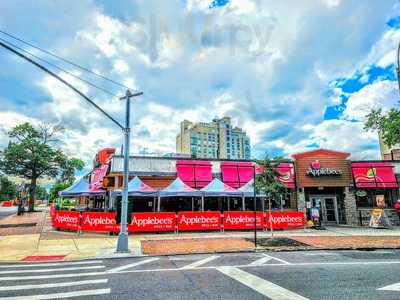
262,286
60,295
32,265
124,267
52,276
51,285
261,261
200,262
51,270
278,259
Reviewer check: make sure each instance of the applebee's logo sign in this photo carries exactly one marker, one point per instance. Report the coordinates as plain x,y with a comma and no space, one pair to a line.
66,219
286,219
151,221
241,219
198,220
315,170
94,221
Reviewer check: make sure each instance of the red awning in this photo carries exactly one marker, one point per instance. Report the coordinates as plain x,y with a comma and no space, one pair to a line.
236,174
195,173
286,171
374,175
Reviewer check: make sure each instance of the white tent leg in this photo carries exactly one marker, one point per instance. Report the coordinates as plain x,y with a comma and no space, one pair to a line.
243,204
202,203
159,203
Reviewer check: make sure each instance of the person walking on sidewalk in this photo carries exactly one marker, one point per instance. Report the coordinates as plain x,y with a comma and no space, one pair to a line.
397,207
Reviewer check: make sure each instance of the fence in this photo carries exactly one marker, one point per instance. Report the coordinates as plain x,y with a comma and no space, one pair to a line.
182,221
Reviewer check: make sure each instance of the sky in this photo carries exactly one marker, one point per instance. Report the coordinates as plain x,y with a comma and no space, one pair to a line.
295,75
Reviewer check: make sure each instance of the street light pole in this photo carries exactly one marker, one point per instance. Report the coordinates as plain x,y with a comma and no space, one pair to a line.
122,245
255,205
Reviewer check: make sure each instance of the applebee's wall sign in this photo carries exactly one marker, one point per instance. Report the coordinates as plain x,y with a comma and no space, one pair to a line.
315,170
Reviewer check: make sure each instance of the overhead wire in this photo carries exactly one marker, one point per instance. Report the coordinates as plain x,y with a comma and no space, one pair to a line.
66,60
59,68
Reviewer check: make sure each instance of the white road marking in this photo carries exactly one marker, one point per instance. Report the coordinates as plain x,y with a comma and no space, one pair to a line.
392,287
60,295
51,285
261,261
278,259
262,286
320,253
32,265
51,270
69,275
52,276
124,267
199,262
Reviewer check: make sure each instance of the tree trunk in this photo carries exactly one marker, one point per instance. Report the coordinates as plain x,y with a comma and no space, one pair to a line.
32,192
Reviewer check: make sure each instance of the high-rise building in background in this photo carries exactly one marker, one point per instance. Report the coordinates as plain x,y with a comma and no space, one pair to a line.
217,139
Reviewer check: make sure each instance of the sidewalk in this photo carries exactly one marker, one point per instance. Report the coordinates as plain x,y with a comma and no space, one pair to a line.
70,246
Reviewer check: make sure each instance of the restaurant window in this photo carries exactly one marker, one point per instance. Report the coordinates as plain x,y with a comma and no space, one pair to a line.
367,198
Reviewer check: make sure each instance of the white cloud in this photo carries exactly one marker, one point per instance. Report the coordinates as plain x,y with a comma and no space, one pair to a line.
267,64
380,94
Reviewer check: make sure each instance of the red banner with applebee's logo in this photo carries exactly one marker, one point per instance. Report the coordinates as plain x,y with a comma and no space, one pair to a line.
199,220
152,221
66,219
288,219
98,221
242,219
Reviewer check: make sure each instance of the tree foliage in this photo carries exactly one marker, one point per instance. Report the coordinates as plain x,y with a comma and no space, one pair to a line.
8,189
32,153
57,187
387,124
266,183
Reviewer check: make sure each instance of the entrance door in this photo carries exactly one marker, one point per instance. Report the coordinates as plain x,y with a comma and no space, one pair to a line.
328,208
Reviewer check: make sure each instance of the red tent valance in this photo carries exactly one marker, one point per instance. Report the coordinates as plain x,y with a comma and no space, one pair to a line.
236,174
374,175
195,173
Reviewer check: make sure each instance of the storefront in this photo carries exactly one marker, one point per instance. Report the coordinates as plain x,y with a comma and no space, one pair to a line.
324,184
372,179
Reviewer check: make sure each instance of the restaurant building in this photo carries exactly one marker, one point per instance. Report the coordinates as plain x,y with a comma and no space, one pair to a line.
344,191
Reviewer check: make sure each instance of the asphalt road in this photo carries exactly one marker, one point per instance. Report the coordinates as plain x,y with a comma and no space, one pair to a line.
6,211
283,275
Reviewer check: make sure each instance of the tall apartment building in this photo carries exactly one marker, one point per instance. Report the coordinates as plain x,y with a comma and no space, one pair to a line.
217,139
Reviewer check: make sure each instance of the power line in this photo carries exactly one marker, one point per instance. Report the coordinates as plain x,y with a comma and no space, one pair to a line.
66,60
59,68
9,48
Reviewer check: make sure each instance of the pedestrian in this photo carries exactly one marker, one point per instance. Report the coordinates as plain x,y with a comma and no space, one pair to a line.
397,207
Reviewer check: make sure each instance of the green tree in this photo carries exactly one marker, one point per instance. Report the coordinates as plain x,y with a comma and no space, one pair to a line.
387,124
41,193
266,182
8,189
57,187
69,167
32,154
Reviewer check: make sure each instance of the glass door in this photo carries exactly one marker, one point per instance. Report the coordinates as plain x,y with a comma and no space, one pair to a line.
329,210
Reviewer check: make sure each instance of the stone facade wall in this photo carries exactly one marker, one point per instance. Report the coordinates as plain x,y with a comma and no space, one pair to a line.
350,207
301,201
366,216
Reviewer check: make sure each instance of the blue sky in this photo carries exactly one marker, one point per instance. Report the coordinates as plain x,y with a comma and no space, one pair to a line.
295,75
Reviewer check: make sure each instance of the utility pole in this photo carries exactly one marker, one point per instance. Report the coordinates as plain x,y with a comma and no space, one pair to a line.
122,245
